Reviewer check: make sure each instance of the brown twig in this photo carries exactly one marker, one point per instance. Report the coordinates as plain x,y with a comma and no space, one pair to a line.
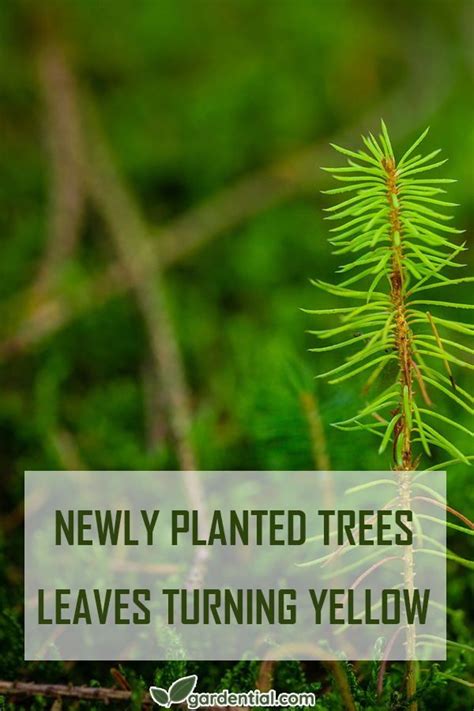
383,665
130,236
421,383
62,129
155,416
450,509
316,431
66,450
441,348
119,678
265,675
105,694
321,459
340,677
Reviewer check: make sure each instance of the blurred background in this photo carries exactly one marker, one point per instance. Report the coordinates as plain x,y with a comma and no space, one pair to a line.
161,217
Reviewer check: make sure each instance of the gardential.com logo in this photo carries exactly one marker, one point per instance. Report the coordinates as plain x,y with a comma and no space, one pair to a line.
182,690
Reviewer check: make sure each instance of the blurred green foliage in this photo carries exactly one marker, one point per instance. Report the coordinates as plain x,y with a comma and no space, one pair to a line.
192,96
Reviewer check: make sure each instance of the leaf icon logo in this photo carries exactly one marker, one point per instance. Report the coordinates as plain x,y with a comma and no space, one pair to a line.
160,696
177,693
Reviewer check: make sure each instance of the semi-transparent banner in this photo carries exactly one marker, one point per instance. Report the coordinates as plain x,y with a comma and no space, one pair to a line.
225,565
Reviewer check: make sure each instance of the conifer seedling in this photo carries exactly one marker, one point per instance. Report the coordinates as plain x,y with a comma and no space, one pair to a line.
399,257
394,231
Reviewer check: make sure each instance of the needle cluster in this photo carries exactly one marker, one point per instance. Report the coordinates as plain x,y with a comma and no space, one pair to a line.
395,230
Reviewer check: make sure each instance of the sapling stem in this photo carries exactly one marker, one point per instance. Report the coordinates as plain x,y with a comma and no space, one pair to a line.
402,432
403,336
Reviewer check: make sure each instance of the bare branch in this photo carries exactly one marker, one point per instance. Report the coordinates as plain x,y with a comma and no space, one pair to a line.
90,693
131,238
62,130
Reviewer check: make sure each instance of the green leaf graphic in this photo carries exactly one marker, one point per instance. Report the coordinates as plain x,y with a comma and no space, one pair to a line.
160,696
180,689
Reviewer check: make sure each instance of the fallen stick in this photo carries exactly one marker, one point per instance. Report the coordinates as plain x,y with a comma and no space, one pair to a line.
64,144
63,691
